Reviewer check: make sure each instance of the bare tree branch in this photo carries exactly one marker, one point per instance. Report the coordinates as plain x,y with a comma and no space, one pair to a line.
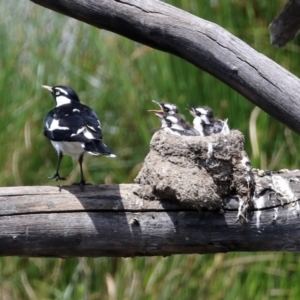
204,44
286,25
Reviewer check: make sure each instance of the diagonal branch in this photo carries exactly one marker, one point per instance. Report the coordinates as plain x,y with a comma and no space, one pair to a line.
202,43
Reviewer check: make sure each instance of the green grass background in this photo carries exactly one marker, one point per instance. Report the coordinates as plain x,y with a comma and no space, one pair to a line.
118,78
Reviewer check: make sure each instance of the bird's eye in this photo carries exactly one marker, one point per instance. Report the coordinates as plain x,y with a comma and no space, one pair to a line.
167,109
57,93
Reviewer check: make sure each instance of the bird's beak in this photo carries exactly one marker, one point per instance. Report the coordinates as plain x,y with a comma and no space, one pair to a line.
157,112
48,88
160,115
192,113
191,110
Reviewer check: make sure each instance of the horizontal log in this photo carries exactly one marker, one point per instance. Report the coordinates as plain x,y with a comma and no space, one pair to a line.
110,220
202,43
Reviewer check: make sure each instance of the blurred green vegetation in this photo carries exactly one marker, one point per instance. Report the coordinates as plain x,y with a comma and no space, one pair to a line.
118,78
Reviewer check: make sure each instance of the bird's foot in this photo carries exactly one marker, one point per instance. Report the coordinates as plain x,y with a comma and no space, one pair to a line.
57,177
81,183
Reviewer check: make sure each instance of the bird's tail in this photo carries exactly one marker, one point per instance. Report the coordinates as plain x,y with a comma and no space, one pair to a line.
97,147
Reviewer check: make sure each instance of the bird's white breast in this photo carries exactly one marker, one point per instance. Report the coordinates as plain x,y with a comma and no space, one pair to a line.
68,148
198,125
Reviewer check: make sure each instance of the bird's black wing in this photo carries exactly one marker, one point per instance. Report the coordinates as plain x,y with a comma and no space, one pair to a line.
213,128
208,129
187,128
74,123
218,126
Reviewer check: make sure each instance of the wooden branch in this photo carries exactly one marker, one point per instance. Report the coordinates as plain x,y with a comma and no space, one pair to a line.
285,26
204,44
110,220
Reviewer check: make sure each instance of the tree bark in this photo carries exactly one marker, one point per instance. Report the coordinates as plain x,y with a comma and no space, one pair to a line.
202,43
110,220
285,26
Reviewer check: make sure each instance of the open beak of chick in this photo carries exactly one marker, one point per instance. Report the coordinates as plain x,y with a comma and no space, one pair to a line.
158,112
192,110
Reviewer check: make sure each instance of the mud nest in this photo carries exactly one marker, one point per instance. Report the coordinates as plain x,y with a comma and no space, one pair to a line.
196,171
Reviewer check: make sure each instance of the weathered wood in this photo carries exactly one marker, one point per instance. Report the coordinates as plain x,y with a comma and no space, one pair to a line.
49,199
110,220
285,26
204,44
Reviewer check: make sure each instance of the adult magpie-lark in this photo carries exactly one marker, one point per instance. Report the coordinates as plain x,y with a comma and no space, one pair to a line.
73,129
205,123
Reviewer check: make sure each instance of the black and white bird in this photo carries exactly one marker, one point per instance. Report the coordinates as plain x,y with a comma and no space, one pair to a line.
176,125
171,121
205,123
73,129
165,110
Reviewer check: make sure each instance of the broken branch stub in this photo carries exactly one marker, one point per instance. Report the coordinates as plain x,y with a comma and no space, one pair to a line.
196,171
286,25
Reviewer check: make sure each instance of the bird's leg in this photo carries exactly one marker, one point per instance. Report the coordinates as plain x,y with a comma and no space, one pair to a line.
80,160
82,182
56,175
